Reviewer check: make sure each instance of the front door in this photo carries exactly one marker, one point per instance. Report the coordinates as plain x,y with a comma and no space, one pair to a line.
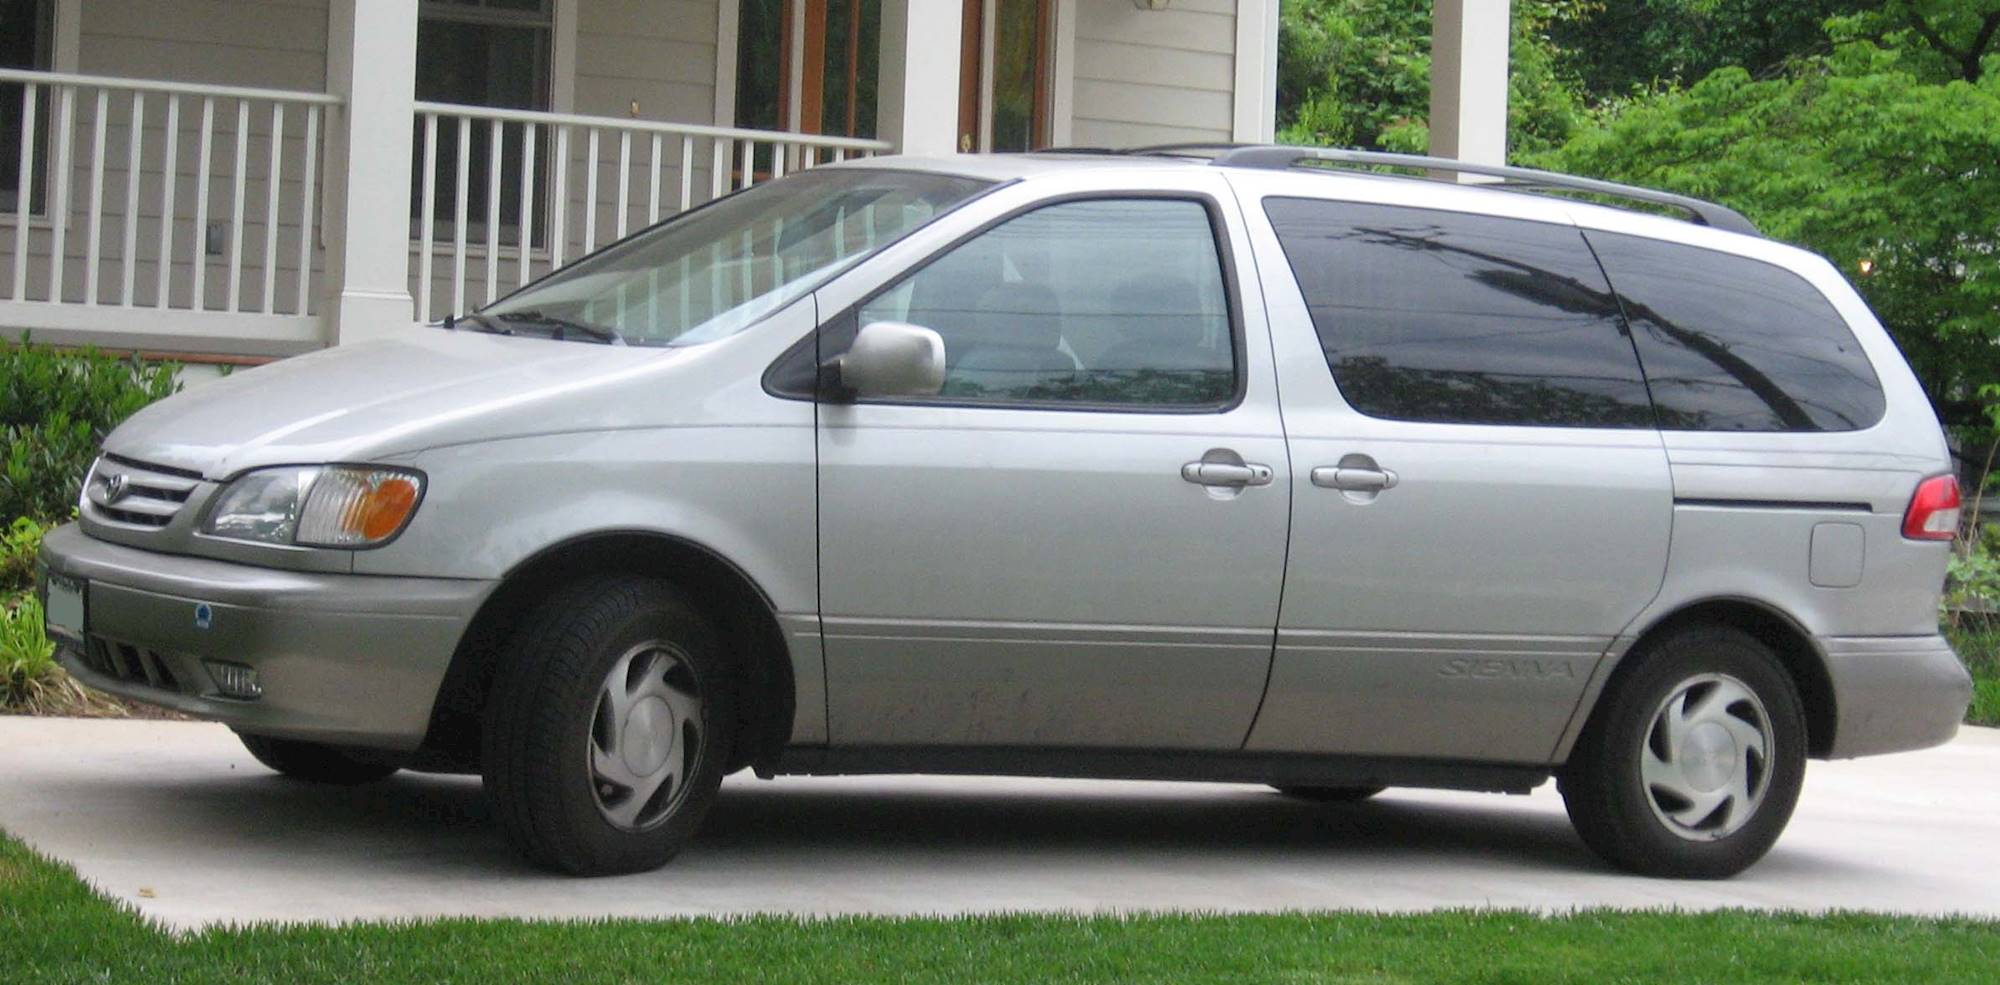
1005,69
1481,502
1079,541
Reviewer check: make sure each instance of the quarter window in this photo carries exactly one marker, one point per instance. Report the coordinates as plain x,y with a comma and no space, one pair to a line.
1102,302
1734,344
1438,316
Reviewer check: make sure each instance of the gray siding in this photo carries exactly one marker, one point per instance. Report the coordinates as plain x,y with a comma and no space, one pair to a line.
1151,77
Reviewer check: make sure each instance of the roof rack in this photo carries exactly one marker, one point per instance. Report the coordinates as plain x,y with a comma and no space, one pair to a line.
1285,158
1276,158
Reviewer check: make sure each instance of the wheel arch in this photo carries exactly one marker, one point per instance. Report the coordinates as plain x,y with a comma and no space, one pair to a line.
1795,647
742,610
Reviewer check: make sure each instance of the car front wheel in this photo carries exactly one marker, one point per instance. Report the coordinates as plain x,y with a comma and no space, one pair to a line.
1693,761
608,727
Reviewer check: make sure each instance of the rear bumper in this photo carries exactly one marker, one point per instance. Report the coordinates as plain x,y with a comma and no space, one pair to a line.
1894,693
345,659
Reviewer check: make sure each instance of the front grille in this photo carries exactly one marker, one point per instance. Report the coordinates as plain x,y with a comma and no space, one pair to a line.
137,494
130,663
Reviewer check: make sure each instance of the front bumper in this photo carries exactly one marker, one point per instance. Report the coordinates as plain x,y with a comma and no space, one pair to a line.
1894,693
345,659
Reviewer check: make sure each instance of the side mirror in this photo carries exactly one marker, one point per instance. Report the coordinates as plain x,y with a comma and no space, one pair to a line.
892,359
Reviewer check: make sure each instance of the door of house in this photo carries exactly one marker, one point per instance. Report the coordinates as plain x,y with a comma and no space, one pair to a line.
808,65
812,66
1006,62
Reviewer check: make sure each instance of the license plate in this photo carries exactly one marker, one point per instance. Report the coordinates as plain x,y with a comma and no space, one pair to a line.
63,611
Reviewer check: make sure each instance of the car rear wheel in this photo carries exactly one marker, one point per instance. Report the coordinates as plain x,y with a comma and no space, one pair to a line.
315,762
1693,761
608,727
1330,795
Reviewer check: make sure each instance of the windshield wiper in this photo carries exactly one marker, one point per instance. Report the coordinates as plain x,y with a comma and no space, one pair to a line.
560,329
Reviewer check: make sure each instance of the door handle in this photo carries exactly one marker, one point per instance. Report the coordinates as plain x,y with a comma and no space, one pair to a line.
1349,478
1226,474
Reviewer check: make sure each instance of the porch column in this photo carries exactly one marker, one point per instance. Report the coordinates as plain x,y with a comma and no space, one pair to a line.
1469,80
917,101
372,64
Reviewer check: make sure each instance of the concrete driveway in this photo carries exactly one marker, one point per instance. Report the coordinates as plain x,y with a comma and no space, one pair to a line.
177,820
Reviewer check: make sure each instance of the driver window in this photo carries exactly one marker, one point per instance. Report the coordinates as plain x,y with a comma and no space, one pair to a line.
1101,302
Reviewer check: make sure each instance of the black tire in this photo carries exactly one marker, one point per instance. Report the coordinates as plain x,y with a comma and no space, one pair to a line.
1613,807
1329,795
542,713
315,762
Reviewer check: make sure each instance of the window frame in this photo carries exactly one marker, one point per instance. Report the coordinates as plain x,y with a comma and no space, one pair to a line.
781,378
48,44
1585,251
548,20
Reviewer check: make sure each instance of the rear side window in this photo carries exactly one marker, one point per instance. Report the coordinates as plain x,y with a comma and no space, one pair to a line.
1734,344
1446,317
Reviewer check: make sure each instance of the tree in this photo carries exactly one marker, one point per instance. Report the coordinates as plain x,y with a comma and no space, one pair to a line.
1357,73
1630,46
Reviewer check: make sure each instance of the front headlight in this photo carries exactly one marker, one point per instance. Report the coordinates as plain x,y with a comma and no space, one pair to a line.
316,505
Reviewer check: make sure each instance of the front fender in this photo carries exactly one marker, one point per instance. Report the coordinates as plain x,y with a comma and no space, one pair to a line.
746,493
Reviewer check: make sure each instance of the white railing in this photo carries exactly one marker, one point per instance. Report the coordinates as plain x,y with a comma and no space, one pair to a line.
519,192
175,197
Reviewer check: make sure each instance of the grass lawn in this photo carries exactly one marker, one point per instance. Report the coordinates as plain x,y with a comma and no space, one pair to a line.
55,929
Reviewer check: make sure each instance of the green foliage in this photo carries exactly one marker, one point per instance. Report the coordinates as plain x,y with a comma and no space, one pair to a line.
1634,46
1858,157
55,409
1941,40
1356,73
19,544
27,657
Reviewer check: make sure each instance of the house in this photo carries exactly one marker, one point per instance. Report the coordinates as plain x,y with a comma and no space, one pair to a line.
241,179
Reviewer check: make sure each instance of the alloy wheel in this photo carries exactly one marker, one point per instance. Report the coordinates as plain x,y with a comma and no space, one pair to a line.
645,735
1706,759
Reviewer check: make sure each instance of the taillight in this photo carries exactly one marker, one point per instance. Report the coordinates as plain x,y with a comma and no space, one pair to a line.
1933,512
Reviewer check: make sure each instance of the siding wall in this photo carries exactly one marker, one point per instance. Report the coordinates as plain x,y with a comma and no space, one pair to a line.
269,43
1153,76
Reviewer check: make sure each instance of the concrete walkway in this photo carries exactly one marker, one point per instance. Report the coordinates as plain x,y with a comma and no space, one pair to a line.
177,820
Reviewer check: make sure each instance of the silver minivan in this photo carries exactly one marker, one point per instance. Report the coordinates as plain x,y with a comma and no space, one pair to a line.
1234,464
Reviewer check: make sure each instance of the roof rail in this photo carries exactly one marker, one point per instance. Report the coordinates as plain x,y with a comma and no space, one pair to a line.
1277,158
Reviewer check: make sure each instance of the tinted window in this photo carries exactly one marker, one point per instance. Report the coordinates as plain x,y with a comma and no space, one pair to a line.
1109,302
1733,344
1441,316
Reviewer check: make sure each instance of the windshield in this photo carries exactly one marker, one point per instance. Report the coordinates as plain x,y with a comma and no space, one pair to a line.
713,272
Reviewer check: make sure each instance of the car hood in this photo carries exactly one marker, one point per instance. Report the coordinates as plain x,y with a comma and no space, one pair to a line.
372,400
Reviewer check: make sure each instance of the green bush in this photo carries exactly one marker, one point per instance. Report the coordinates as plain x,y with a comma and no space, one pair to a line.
27,657
55,409
19,544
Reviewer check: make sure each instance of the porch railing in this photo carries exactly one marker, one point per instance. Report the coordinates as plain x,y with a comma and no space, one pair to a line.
502,196
179,198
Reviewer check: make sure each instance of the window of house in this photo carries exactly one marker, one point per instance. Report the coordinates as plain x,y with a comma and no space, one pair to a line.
494,53
26,30
1734,344
1439,316
1110,302
831,69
